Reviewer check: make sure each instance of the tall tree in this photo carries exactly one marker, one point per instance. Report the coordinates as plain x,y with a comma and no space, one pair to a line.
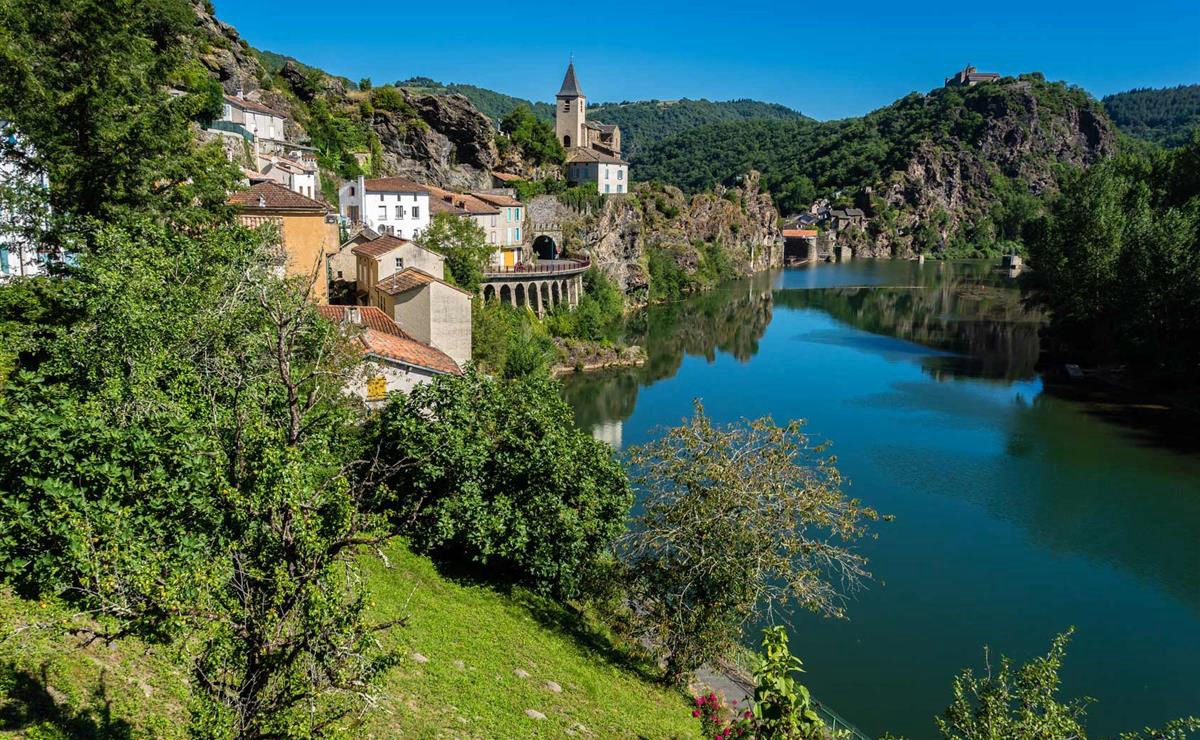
736,521
464,244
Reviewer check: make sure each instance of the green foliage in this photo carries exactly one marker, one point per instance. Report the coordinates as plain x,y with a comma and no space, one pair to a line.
736,521
1166,116
668,280
464,244
86,85
782,705
583,198
390,99
645,122
1118,264
529,189
535,138
1022,702
800,158
599,311
365,84
495,472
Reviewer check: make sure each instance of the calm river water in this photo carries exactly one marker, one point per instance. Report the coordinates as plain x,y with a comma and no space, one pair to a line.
1017,514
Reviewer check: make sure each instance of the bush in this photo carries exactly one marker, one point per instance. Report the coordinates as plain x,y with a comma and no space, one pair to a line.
390,99
495,472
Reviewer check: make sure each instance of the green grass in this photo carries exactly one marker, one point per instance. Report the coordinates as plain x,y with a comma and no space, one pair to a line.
53,687
605,693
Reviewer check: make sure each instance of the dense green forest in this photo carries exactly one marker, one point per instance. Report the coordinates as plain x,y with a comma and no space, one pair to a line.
1118,264
1165,116
801,159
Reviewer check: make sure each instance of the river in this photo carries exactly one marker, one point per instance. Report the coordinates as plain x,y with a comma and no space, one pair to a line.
1017,513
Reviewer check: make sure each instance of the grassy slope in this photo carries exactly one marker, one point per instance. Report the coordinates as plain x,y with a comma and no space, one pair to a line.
52,688
493,635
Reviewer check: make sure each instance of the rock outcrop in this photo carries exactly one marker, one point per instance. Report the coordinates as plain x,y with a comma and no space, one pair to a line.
619,235
224,52
444,141
950,182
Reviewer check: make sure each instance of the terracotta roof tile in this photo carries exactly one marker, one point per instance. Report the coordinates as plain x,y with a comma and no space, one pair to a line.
410,278
384,338
498,200
580,154
463,202
253,106
798,233
393,185
273,196
379,246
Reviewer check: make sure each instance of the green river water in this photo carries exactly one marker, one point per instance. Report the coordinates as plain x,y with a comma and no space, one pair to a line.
1017,513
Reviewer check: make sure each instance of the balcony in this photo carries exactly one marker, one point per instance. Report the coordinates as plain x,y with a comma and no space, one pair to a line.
557,268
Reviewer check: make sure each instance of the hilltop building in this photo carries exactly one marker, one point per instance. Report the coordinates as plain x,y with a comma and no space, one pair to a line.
308,231
968,76
245,122
593,149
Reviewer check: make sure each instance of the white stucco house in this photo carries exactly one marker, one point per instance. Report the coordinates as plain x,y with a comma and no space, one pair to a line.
389,205
295,175
429,309
394,361
608,172
20,218
258,119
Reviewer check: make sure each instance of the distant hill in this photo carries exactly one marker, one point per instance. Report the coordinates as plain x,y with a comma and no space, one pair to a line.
274,62
642,122
645,122
950,171
1165,116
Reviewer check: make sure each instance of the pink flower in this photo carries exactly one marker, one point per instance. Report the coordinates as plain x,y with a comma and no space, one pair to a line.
747,714
695,712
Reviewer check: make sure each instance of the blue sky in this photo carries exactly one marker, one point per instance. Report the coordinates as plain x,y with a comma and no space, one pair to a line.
830,60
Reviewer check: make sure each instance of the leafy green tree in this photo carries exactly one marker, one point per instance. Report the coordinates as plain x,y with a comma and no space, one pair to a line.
463,243
535,137
87,86
1022,703
365,84
495,472
736,521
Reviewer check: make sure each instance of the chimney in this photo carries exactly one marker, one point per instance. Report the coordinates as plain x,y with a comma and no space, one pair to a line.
353,316
262,202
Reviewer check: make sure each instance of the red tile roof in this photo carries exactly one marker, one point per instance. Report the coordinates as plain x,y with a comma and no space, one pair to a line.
273,196
498,200
384,338
379,246
393,185
445,201
408,279
251,105
798,233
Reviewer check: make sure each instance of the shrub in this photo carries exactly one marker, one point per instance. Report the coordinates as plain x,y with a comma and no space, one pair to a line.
495,472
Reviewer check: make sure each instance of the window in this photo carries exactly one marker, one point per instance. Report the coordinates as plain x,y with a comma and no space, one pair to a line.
566,106
620,188
4,260
399,263
493,221
606,172
382,212
492,237
567,141
399,211
339,275
351,190
606,187
416,213
518,232
620,174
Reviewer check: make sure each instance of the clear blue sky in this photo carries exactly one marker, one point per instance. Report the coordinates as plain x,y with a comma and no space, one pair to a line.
829,60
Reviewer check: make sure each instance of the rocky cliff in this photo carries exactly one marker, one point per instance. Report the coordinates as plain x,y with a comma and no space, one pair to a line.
954,185
623,231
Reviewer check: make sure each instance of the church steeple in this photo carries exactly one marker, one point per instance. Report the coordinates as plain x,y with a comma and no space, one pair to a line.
570,86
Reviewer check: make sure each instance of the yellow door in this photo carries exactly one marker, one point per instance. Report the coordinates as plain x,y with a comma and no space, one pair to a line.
510,258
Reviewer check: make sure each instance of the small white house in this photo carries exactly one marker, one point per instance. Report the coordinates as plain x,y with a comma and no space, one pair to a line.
609,173
19,257
258,119
295,175
388,205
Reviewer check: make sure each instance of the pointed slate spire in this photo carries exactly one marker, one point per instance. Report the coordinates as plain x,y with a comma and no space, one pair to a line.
570,86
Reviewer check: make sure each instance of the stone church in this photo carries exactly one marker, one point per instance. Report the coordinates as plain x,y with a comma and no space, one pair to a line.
593,149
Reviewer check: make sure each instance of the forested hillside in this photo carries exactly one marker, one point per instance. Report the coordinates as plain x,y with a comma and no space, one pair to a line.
642,122
645,123
1165,116
948,169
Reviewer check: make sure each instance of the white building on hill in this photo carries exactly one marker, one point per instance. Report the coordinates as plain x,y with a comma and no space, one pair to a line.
388,205
593,149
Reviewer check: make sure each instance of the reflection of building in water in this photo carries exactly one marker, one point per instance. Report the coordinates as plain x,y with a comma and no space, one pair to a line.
610,432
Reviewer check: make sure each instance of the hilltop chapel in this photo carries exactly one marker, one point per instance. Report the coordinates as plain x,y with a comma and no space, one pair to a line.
593,149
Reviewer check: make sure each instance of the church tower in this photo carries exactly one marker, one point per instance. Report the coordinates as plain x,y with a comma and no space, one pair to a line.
571,111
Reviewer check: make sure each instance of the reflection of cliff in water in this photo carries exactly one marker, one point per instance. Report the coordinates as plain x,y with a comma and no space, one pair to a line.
731,319
969,313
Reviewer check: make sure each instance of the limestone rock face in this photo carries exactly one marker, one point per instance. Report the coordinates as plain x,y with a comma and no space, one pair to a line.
226,56
948,182
447,142
618,234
